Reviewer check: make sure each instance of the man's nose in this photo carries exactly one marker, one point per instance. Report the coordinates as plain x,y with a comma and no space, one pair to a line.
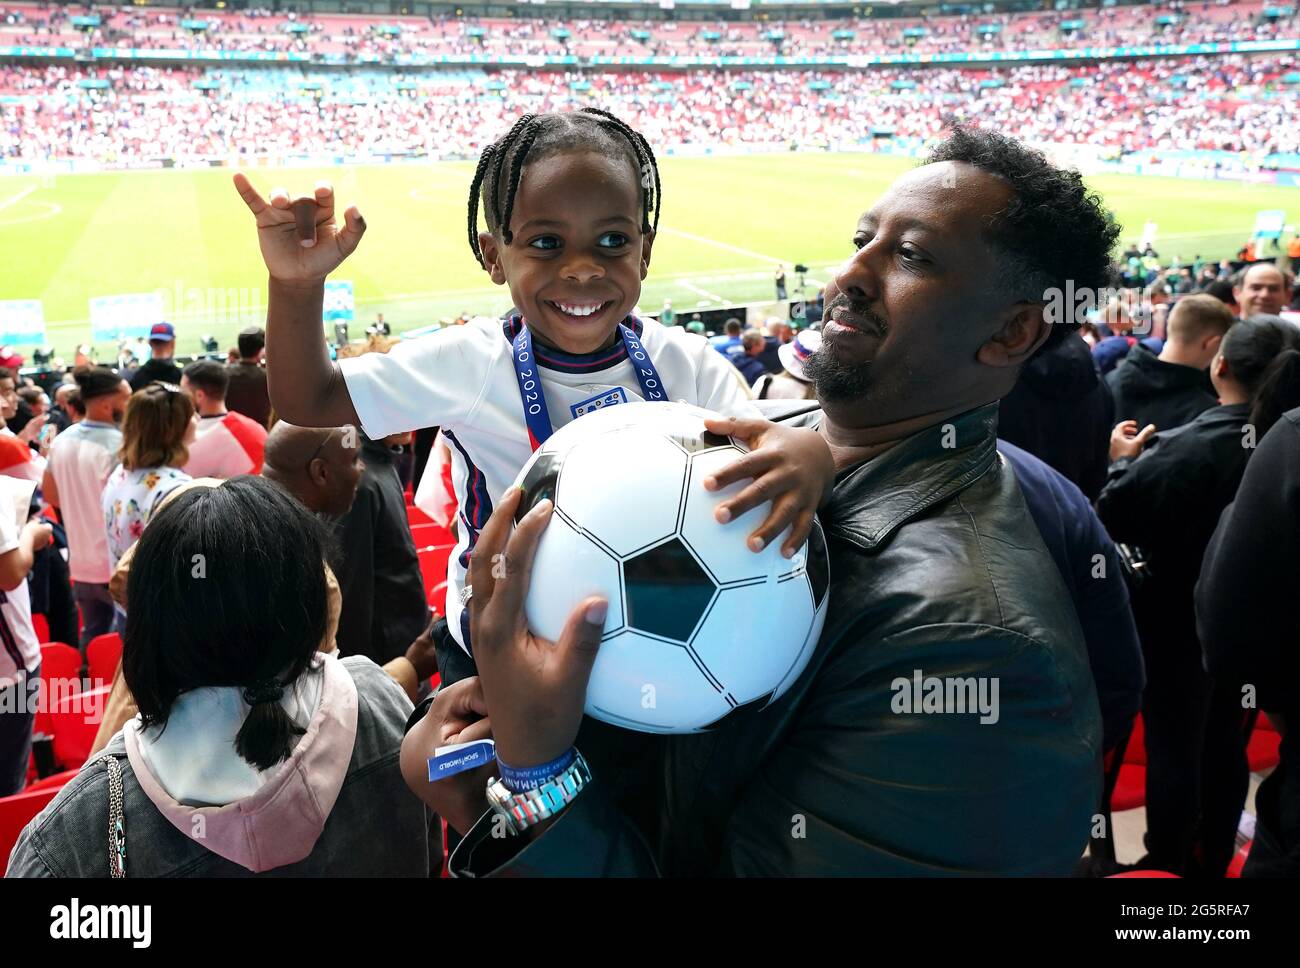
856,277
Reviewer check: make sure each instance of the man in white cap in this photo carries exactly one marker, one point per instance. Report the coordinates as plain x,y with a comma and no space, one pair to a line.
791,384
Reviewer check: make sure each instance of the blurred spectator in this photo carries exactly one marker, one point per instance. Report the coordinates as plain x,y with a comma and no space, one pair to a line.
319,466
1260,289
384,601
666,315
1166,501
157,427
791,383
59,413
20,659
246,392
226,443
1248,626
17,459
1170,389
1061,412
159,366
748,359
80,462
730,338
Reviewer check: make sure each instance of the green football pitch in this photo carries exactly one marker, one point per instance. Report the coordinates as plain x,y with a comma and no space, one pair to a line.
726,222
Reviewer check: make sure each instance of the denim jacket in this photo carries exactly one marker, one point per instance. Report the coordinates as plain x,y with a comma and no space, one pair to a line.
374,825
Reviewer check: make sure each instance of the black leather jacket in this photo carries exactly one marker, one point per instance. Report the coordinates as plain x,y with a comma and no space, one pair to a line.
936,565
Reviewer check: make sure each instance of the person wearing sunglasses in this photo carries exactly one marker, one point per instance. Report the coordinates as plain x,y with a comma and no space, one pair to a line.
156,431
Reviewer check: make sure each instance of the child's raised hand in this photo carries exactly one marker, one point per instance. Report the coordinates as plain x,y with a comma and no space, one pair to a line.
790,466
300,241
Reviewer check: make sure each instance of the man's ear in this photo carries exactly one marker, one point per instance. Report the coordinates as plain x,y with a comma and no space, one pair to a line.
490,246
1212,344
647,243
318,472
1023,331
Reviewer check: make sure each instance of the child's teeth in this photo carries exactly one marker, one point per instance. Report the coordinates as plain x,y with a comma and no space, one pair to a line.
578,310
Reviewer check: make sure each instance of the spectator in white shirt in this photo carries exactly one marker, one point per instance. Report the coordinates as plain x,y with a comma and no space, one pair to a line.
20,651
227,443
80,462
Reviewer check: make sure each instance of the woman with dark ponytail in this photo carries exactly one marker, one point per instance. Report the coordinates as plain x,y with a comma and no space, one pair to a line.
1165,499
253,752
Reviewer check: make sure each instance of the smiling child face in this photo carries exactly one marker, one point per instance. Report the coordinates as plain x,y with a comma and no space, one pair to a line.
577,257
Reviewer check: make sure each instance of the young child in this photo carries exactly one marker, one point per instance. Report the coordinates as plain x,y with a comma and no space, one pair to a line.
571,202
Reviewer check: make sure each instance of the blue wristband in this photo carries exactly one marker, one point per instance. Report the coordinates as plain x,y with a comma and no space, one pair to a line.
532,777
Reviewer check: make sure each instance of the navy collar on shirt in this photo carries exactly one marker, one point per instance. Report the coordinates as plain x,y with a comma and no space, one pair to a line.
554,359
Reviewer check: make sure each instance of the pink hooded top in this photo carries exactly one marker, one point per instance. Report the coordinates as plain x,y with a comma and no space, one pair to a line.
269,818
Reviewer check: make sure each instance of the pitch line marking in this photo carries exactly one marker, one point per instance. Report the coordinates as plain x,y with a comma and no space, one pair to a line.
703,292
15,199
52,209
718,244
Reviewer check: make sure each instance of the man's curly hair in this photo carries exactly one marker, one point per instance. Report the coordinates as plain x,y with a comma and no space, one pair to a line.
1054,228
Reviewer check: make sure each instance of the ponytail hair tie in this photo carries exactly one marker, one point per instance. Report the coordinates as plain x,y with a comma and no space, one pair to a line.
262,691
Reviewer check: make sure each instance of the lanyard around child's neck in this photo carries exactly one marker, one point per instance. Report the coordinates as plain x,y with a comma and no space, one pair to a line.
530,381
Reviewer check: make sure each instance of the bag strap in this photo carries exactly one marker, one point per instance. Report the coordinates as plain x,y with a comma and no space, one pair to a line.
116,818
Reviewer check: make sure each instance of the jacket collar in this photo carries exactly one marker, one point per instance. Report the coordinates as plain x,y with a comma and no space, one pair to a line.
874,499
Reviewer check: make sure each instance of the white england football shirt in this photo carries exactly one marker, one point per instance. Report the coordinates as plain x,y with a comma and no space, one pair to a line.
462,379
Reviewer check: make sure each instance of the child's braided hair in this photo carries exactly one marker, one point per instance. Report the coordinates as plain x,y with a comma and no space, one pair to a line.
545,134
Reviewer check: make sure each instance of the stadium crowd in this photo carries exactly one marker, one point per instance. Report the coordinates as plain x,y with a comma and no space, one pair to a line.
1233,103
354,37
1122,441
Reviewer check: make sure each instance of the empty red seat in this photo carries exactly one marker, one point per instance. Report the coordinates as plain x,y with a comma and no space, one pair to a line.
60,676
438,597
103,653
1131,786
74,721
52,782
59,661
416,516
16,812
1145,874
41,626
433,565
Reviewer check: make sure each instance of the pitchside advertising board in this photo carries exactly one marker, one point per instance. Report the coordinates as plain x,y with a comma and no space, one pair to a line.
22,322
125,316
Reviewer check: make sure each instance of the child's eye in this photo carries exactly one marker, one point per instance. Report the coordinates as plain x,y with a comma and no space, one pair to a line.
612,240
547,242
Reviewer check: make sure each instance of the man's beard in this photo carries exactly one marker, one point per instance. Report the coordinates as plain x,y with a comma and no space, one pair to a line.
835,380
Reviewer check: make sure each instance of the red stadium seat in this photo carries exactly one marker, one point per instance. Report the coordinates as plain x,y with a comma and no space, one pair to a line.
438,597
74,721
16,811
430,535
41,626
1239,859
52,782
103,653
1262,744
59,661
1145,874
1131,787
433,565
61,676
416,516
